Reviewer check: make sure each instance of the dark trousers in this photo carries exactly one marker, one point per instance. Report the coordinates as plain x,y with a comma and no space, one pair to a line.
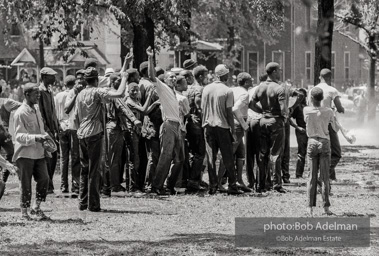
114,162
134,164
217,138
7,145
37,169
302,140
90,157
171,151
69,145
252,150
272,140
153,147
286,151
335,152
318,152
196,146
238,154
51,163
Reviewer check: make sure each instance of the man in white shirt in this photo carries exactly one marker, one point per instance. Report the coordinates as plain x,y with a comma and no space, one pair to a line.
65,139
170,134
331,96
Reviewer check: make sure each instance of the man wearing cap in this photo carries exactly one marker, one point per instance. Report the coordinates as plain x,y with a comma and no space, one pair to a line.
331,95
170,134
103,80
65,139
49,117
151,123
218,122
6,107
189,64
29,152
89,117
272,97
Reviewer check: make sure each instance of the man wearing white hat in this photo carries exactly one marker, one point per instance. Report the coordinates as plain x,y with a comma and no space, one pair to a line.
218,122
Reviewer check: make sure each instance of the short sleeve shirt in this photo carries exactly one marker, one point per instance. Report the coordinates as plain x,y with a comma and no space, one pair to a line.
317,120
90,111
216,98
241,99
330,93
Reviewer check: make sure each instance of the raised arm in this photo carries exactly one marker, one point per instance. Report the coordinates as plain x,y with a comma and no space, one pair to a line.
120,91
151,70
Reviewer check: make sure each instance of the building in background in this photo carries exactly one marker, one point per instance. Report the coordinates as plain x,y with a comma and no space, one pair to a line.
22,54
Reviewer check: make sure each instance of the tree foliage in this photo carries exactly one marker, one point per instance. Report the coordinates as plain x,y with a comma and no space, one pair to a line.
248,21
364,15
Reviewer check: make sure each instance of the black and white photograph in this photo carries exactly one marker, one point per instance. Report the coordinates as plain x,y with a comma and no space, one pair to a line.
189,127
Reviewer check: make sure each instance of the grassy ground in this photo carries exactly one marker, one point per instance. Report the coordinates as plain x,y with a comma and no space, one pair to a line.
186,224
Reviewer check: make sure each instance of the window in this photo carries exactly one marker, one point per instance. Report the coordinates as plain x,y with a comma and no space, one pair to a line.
347,65
308,69
15,30
308,17
278,57
333,60
253,60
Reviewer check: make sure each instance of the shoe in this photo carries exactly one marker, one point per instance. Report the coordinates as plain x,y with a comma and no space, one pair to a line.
222,189
243,187
234,191
204,184
286,180
158,192
95,210
250,185
212,191
82,207
39,214
281,190
327,211
25,216
261,190
118,188
105,195
171,191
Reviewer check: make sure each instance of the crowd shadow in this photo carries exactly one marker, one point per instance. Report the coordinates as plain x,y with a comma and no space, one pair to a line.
184,244
9,209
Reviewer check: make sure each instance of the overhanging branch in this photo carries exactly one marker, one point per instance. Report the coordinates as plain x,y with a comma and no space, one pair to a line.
355,40
357,24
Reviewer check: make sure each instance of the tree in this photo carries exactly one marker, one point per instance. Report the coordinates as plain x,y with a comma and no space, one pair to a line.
324,39
364,15
46,18
243,22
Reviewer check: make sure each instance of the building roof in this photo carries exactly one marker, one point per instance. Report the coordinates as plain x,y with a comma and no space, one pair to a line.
54,57
207,46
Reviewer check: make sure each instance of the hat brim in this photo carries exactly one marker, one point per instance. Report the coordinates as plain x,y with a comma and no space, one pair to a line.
191,65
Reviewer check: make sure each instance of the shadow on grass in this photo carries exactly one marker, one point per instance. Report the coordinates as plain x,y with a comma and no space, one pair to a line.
10,210
177,244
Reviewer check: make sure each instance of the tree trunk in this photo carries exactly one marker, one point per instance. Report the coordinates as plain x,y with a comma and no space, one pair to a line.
323,48
41,54
143,38
372,101
230,53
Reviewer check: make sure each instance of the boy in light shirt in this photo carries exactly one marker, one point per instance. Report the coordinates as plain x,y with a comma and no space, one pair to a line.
317,120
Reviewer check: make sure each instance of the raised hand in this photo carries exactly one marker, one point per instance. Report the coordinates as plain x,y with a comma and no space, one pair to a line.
149,52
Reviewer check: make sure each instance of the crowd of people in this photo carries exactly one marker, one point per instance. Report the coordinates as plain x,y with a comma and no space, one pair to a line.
154,131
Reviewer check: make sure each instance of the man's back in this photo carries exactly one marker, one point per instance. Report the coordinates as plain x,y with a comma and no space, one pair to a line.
330,93
270,94
216,98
